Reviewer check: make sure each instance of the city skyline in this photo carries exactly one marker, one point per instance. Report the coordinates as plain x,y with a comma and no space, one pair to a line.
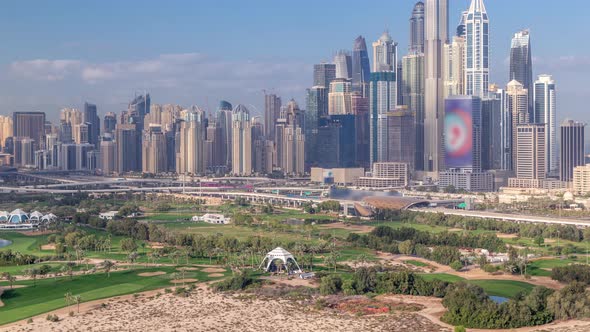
74,69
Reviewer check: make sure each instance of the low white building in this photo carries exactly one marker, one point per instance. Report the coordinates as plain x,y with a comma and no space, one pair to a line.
213,218
109,215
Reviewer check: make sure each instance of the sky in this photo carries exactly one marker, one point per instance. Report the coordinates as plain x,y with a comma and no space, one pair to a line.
61,53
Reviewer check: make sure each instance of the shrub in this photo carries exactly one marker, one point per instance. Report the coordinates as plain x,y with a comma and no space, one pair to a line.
331,284
460,329
456,265
235,283
52,318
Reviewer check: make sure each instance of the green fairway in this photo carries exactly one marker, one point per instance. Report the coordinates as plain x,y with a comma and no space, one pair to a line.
416,263
503,288
25,244
48,294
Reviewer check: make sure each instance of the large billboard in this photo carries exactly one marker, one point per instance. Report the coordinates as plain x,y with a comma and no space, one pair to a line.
458,132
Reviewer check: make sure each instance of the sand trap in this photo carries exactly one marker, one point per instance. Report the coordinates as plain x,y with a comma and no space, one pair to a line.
456,229
215,275
213,270
187,269
48,247
180,281
151,274
506,236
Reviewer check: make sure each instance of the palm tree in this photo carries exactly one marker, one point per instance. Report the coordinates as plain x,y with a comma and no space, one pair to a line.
132,257
107,266
68,298
78,299
8,277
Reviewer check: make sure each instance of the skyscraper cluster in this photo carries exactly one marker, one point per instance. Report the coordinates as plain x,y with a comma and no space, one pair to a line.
433,109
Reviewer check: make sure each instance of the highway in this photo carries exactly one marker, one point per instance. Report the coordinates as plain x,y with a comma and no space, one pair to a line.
506,216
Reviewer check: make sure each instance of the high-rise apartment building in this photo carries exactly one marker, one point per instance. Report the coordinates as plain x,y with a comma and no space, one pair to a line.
454,67
417,29
530,164
436,16
491,132
108,153
191,158
382,100
242,141
361,67
385,54
81,133
127,146
31,125
517,98
572,148
5,129
154,155
477,50
109,123
224,117
361,110
463,133
582,180
413,97
545,112
339,97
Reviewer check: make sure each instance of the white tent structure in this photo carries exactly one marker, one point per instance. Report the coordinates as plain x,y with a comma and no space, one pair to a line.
35,216
280,254
49,217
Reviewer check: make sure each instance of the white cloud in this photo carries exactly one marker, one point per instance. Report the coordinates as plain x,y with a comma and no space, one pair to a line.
42,69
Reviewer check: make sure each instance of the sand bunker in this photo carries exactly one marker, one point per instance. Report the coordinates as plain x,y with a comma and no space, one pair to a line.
180,281
48,247
215,275
506,236
187,269
151,274
213,270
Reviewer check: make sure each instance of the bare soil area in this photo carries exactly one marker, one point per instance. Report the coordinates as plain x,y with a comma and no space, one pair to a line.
151,274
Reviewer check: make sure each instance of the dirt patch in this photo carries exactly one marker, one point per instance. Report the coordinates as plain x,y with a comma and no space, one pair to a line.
156,245
48,247
215,275
213,270
180,281
187,269
151,274
506,236
456,229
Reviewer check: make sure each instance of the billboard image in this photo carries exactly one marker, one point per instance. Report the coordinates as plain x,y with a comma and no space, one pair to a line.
458,133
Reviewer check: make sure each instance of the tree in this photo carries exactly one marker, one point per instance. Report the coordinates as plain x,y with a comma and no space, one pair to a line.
132,257
539,240
107,266
330,284
406,247
78,299
456,265
128,244
33,273
8,277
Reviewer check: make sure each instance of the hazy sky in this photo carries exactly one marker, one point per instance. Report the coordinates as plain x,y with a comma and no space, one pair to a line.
61,53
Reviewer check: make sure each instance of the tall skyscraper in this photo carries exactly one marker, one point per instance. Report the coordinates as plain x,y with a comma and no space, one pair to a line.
477,46
5,129
140,106
339,97
110,122
385,54
572,149
462,26
491,132
517,98
192,156
316,107
242,141
382,100
272,110
343,62
81,133
454,67
31,125
413,97
401,130
224,117
93,121
436,15
155,157
127,146
323,74
417,28
530,164
545,112
361,67
463,133
362,141
108,155
521,63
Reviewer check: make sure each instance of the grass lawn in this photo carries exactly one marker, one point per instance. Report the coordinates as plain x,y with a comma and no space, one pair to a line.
503,288
416,263
48,294
25,244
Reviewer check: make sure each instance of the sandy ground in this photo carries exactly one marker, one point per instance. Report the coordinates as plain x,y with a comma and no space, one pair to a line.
151,274
48,247
506,236
208,311
35,233
215,275
181,281
471,274
213,270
